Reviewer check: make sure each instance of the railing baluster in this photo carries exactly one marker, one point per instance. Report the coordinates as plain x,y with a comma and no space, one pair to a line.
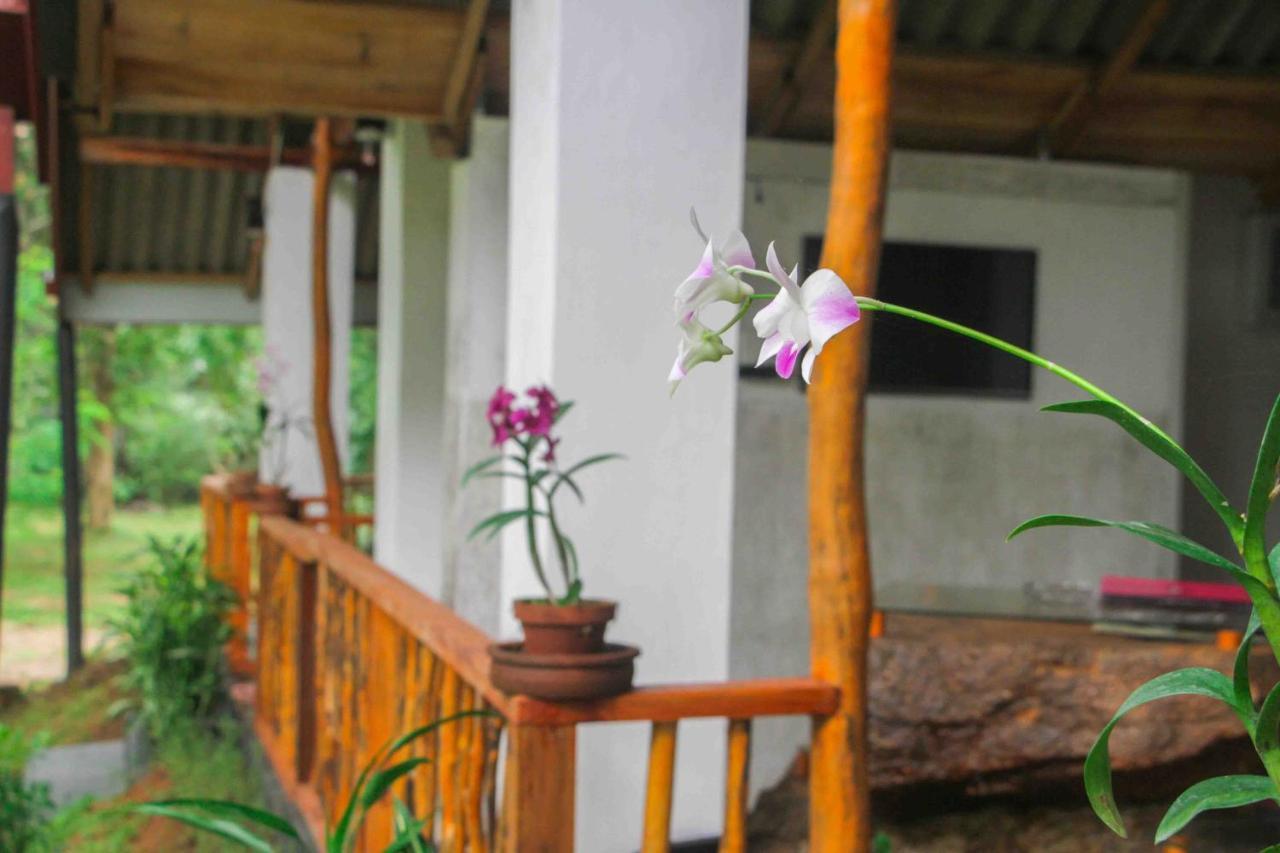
308,669
657,800
473,790
450,826
736,788
538,794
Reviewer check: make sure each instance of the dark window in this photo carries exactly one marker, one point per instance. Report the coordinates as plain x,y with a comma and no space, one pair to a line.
992,290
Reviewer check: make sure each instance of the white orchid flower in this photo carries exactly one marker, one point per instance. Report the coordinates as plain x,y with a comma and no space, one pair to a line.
802,315
698,344
713,280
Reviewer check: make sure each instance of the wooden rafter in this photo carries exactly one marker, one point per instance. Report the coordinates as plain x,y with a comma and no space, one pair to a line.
809,59
449,137
1065,128
140,151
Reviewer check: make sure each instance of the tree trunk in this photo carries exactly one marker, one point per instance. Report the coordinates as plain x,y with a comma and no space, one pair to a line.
100,467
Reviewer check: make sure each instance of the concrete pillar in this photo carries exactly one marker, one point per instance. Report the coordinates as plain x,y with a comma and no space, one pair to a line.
289,453
477,359
409,472
606,159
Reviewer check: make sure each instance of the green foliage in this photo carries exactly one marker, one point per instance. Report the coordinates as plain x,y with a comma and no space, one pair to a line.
172,634
25,809
1223,792
226,819
364,398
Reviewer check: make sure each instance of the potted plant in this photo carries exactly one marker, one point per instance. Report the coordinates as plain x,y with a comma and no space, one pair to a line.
563,654
275,424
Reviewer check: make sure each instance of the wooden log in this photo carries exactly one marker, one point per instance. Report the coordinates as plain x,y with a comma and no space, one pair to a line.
322,339
659,789
450,827
239,566
737,788
839,559
538,794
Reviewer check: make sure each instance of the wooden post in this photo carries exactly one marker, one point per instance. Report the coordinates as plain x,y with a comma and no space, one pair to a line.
322,380
839,561
72,553
537,799
8,303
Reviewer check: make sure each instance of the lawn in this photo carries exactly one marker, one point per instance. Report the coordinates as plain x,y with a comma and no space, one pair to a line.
33,582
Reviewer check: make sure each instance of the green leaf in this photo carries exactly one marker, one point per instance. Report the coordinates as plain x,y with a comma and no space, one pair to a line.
408,831
589,461
227,808
494,523
1223,792
227,829
1273,560
562,411
1195,681
573,595
563,480
384,779
1155,440
482,465
1240,672
1266,733
1264,477
1162,536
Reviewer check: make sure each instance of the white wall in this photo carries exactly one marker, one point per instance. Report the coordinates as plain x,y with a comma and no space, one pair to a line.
1233,349
287,321
948,477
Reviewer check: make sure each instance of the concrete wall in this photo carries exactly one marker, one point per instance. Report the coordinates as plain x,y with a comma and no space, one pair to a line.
948,477
1233,350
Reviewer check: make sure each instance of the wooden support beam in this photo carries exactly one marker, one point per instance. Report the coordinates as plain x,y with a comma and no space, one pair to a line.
72,542
840,602
814,52
450,136
322,372
538,794
183,154
1065,128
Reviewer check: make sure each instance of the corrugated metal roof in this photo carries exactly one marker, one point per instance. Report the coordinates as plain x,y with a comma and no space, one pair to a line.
1239,35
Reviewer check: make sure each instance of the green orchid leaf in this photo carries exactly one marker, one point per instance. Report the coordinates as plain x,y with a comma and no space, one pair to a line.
589,461
1273,561
384,779
1266,734
573,595
1264,478
482,465
227,808
227,829
1223,792
1162,536
494,523
1240,677
1195,681
408,831
562,411
565,480
1155,440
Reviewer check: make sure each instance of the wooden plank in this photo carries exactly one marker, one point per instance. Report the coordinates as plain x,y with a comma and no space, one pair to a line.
1064,129
659,789
446,780
464,60
269,56
748,698
737,788
839,557
185,154
321,335
538,794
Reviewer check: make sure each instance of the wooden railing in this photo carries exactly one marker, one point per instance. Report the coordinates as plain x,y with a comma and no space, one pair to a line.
349,655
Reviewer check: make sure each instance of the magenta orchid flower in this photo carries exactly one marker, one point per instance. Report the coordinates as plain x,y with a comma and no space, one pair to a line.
698,344
714,279
799,316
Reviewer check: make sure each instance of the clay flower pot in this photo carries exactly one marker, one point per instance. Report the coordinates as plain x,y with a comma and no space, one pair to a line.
241,484
270,499
563,655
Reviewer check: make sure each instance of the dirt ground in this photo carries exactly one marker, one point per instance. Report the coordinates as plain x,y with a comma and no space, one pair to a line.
38,653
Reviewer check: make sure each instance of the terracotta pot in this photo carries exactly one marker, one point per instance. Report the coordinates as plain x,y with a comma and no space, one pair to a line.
241,484
564,629
560,677
270,499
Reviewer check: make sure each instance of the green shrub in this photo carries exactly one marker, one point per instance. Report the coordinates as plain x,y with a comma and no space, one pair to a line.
25,809
172,634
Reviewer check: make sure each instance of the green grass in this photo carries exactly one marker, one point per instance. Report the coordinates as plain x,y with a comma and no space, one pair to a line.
33,573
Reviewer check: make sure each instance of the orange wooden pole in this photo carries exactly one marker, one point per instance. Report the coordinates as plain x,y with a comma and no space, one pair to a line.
839,562
322,407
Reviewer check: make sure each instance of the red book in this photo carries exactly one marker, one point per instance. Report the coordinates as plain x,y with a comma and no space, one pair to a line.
1172,592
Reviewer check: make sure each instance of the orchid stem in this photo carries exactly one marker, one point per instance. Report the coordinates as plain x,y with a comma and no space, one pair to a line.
742,312
531,532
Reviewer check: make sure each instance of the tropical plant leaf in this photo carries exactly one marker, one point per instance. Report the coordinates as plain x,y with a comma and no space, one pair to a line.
227,808
562,411
494,523
1162,536
1195,681
482,465
384,779
1266,734
227,829
1273,561
408,831
1240,672
564,480
1155,440
1222,792
1264,478
589,461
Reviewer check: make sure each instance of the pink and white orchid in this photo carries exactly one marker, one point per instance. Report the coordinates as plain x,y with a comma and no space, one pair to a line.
714,280
698,344
800,316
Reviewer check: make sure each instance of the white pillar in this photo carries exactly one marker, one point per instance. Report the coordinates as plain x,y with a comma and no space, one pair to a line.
477,359
290,455
623,115
409,472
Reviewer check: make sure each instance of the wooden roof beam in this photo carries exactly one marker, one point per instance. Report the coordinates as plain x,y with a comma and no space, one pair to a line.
814,54
181,154
450,136
1065,128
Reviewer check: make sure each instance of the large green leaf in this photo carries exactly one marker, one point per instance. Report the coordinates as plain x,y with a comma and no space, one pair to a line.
408,831
227,829
1264,478
384,779
1240,678
227,808
494,523
1162,536
1155,440
1223,792
1195,681
1266,735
